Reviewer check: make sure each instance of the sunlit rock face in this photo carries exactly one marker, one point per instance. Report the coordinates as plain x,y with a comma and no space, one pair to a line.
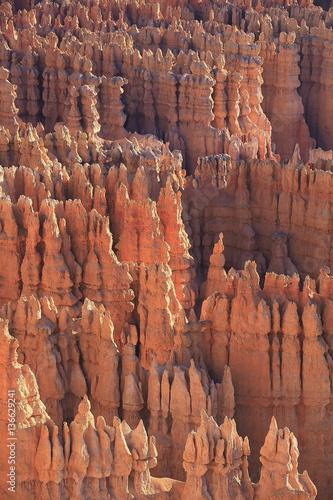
166,299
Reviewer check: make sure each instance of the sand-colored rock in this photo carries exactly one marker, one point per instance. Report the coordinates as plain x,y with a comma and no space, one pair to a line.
8,116
140,149
281,81
215,459
279,474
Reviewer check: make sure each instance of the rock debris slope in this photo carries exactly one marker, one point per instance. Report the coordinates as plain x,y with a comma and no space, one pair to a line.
165,249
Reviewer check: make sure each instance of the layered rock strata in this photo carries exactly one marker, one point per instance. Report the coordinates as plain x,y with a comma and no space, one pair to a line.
162,271
92,458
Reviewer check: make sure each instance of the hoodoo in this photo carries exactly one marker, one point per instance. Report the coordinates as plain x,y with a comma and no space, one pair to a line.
166,297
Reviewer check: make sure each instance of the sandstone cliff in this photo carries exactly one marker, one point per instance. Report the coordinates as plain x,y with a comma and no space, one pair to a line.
165,248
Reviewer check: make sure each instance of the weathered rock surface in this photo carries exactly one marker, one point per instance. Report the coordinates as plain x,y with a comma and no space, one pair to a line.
165,248
90,457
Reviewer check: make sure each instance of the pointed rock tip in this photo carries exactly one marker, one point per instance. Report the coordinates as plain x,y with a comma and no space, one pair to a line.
116,422
273,424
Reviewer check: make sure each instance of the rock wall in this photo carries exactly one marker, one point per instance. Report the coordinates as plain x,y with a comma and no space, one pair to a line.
168,89
146,72
165,248
285,332
93,458
261,198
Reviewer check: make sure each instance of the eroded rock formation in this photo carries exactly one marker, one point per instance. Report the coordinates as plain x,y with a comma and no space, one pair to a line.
165,249
91,457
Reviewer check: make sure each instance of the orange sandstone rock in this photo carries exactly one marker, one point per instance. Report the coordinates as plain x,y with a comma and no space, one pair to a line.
104,243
